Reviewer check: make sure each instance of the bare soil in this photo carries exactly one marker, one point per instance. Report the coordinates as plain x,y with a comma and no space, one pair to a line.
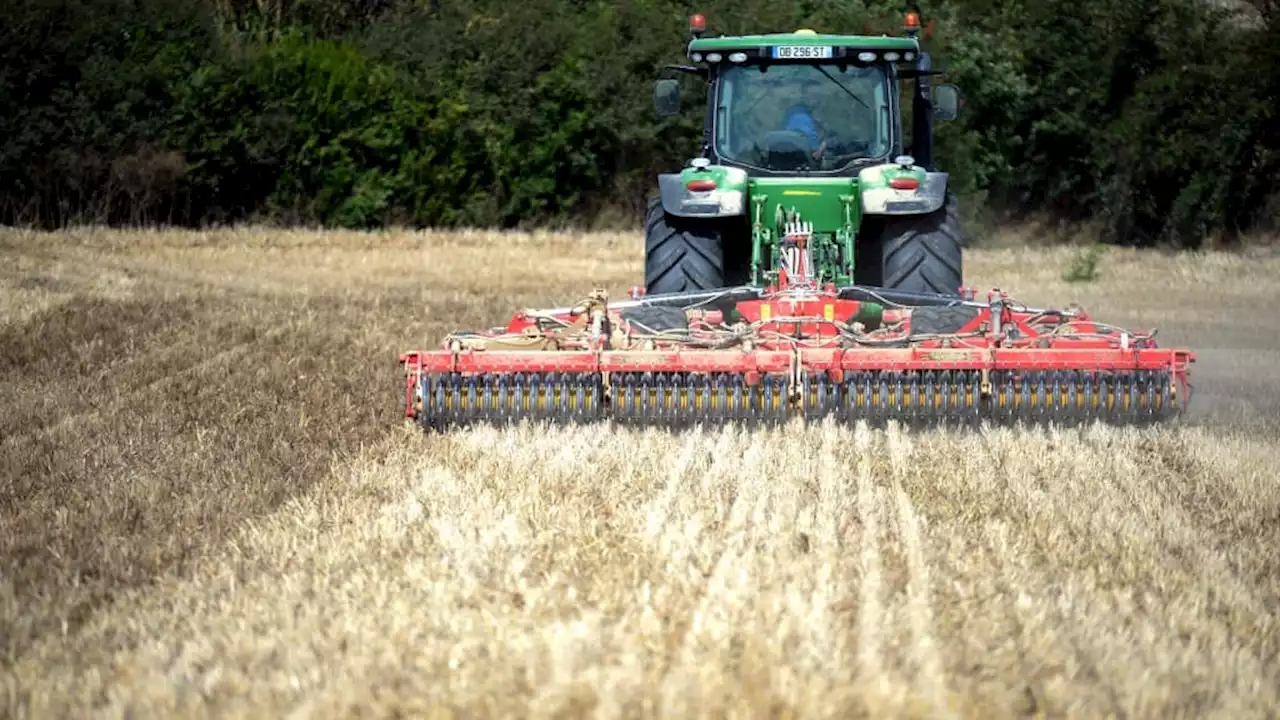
209,506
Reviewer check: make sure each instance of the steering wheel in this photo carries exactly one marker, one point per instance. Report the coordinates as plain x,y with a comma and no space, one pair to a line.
839,153
788,149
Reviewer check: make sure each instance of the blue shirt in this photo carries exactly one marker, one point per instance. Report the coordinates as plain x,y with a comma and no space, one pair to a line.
799,120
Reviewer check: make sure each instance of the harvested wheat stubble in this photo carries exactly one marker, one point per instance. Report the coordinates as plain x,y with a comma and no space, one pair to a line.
208,507
838,573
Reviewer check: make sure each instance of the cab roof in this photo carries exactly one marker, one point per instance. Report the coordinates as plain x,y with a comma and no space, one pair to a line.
801,37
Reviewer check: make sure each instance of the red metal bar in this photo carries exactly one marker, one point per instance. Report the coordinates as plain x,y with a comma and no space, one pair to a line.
779,361
410,381
765,361
502,361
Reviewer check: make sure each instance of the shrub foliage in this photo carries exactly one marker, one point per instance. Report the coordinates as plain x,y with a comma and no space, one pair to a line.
1155,118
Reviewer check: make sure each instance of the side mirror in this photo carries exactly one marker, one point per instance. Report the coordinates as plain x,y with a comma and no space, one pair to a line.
946,102
666,97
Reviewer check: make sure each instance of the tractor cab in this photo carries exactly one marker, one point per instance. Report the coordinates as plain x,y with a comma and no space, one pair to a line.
801,117
809,103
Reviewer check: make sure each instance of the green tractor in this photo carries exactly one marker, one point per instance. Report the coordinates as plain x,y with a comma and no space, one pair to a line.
804,130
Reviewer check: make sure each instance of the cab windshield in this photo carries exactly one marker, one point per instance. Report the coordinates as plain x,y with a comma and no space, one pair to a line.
802,117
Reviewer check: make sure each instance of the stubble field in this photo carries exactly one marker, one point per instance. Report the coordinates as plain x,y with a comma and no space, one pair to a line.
209,506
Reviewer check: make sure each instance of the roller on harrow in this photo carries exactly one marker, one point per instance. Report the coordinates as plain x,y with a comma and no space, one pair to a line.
802,266
794,349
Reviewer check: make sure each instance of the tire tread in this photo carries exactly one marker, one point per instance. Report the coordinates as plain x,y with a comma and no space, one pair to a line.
923,253
681,254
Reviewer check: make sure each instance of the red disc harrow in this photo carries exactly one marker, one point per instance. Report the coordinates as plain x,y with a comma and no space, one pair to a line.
797,350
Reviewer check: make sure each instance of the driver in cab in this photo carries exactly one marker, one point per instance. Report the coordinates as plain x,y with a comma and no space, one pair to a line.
799,118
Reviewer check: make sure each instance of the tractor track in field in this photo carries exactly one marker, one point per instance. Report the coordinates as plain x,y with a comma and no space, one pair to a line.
919,579
871,585
139,386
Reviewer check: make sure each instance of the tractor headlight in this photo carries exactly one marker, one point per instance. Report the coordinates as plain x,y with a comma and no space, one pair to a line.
737,57
892,56
696,57
713,57
867,56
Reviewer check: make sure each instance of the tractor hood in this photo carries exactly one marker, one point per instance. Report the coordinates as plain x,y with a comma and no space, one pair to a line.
829,204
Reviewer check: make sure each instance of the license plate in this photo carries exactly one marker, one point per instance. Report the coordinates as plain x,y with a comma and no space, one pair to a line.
802,52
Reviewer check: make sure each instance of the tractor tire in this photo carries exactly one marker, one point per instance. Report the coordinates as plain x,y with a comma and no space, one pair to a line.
662,318
681,254
922,253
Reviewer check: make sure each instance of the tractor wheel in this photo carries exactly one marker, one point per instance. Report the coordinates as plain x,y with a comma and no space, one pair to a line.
681,254
922,253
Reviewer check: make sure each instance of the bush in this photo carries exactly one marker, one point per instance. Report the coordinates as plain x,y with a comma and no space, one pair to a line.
1084,267
1155,118
334,138
85,92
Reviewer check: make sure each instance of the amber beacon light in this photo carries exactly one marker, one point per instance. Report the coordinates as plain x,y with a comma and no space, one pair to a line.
697,24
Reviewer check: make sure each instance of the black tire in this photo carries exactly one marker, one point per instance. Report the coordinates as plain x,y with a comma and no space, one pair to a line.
681,254
941,320
663,318
922,253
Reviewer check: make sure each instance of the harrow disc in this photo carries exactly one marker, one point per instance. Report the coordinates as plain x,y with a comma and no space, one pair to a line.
677,399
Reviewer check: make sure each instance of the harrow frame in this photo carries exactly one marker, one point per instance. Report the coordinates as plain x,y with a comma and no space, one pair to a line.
797,350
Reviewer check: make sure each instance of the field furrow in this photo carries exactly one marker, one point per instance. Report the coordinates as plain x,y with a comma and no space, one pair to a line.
920,611
871,588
